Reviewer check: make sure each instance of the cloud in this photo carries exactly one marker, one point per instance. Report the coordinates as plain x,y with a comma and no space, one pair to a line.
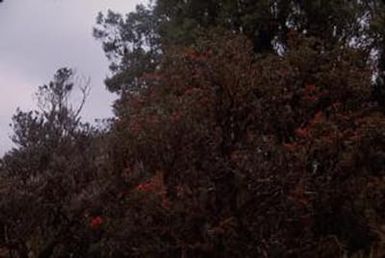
15,92
40,36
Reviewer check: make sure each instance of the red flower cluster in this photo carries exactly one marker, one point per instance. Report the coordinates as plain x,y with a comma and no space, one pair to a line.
96,222
311,93
310,88
176,116
302,132
156,186
291,146
146,187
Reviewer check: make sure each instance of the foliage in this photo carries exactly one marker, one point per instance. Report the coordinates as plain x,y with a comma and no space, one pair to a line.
136,43
48,180
242,129
253,157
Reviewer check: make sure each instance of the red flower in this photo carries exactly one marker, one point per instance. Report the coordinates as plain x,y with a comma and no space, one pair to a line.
176,116
166,203
318,117
310,88
290,146
145,187
96,222
302,132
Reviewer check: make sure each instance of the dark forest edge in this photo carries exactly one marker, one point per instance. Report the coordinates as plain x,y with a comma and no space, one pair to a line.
241,129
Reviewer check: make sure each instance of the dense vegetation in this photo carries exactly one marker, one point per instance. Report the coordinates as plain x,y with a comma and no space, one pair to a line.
242,129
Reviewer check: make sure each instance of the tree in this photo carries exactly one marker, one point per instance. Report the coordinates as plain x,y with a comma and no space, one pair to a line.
56,119
272,122
136,43
131,44
50,176
227,154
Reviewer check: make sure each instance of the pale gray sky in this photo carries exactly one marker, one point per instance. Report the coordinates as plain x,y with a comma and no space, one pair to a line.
39,36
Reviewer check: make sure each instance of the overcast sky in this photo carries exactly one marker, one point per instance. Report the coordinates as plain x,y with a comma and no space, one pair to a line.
39,36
